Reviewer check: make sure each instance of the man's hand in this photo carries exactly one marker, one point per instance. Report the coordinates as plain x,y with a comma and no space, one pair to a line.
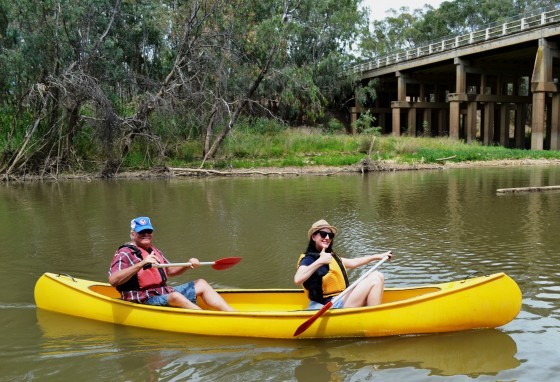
194,263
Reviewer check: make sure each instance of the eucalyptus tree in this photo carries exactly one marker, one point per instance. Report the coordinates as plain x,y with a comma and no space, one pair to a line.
91,78
64,63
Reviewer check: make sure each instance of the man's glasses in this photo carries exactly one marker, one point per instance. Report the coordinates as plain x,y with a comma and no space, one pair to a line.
324,234
145,231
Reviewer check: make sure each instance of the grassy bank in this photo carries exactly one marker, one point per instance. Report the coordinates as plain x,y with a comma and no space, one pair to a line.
304,147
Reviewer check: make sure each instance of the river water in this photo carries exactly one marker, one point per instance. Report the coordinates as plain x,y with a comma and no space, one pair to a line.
442,225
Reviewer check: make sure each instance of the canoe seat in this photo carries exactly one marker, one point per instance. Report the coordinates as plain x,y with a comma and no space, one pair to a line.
105,290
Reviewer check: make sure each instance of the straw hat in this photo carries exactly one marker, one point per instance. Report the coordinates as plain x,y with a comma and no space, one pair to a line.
319,225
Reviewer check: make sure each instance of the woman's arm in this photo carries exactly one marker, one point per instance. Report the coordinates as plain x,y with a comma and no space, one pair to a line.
304,272
359,261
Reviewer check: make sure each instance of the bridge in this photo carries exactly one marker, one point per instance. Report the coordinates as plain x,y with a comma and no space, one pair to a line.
498,84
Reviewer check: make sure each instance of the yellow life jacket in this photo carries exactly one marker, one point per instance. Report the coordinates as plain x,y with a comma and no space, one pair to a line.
327,281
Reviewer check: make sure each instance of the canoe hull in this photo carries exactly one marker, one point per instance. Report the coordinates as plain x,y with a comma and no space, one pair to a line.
483,302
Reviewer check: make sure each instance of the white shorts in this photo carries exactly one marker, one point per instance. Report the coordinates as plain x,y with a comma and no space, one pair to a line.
314,305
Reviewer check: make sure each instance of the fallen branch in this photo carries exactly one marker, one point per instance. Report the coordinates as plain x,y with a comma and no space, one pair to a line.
527,189
447,158
230,173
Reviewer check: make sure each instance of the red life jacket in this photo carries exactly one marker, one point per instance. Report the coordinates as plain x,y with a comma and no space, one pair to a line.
145,278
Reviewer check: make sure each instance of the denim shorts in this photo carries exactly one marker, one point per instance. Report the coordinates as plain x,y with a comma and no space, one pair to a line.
186,290
314,305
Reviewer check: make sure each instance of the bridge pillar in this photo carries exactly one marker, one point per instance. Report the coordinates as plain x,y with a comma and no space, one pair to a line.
504,124
396,121
454,119
538,116
555,123
401,97
455,105
471,121
541,83
412,122
489,108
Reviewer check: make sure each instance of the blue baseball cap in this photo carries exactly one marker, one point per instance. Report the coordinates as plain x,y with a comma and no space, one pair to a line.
141,223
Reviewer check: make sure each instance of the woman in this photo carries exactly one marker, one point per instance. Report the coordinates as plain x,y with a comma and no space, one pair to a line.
323,273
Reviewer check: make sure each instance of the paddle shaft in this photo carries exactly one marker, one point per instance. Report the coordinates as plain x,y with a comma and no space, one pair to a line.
180,264
220,264
303,327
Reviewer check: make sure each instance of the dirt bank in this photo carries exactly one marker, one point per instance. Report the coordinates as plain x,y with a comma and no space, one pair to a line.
362,167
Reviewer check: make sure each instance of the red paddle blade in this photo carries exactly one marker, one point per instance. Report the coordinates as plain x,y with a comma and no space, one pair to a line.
226,263
303,327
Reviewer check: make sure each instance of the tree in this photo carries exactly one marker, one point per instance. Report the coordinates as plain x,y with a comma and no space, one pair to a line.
118,73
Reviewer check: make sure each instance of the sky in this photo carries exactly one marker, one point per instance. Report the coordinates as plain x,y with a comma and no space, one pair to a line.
379,7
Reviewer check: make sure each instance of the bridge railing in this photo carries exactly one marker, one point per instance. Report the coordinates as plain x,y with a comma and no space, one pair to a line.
488,32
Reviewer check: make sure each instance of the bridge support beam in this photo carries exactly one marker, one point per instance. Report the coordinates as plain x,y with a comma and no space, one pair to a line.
401,97
396,122
538,121
541,83
412,122
455,106
454,119
555,123
489,108
504,124
471,121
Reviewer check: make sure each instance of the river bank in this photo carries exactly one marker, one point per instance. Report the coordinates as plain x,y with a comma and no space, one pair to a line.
362,167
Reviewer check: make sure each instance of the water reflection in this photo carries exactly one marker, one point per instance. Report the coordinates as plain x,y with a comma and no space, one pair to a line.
170,356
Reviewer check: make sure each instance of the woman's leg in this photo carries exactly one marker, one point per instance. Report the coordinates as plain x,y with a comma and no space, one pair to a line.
367,293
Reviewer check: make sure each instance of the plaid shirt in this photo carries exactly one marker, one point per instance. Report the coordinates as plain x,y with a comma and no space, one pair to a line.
124,258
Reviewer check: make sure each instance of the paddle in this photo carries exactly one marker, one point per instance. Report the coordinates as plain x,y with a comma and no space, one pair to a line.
303,327
220,264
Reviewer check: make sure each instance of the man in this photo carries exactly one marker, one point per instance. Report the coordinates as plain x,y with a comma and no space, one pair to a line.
131,273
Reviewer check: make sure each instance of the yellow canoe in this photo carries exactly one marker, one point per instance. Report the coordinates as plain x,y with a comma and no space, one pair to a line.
474,303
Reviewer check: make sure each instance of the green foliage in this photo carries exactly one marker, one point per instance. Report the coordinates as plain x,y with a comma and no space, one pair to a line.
364,124
366,94
259,125
432,150
301,148
332,126
135,82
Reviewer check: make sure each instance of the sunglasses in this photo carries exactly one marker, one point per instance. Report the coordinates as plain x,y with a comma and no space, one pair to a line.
145,231
325,234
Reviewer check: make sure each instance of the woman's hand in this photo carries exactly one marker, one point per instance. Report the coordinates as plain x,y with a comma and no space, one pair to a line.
386,254
325,258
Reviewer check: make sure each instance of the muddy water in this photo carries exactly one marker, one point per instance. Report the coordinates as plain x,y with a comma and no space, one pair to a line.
442,225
